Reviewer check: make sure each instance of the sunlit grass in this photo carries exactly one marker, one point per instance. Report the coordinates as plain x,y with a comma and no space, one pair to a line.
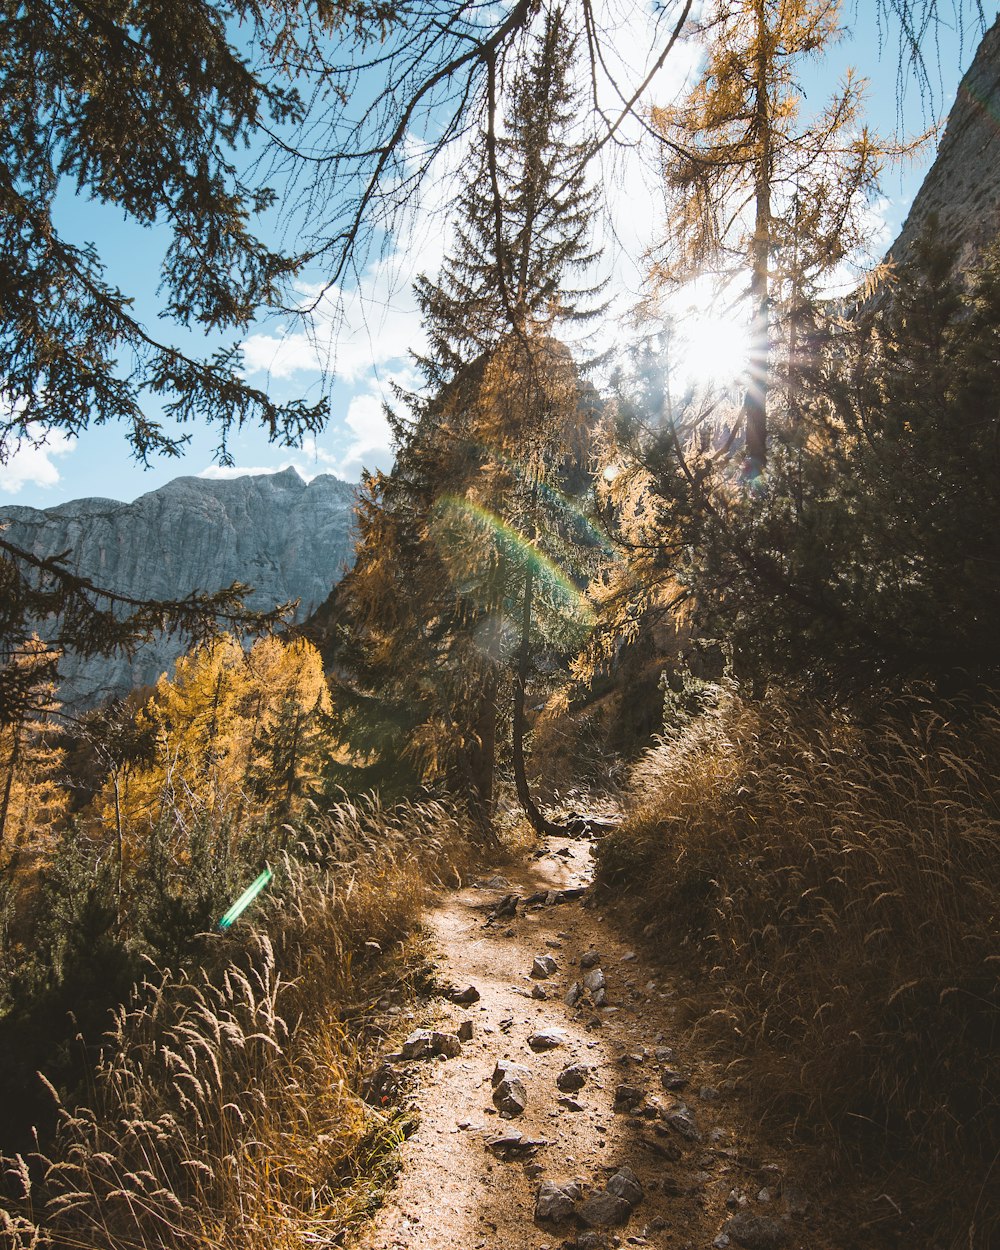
839,891
226,1107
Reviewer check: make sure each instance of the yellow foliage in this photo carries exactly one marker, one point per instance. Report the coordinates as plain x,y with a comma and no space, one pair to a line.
32,801
236,735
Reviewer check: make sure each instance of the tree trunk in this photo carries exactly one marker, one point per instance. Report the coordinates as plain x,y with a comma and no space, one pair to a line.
755,400
15,751
537,821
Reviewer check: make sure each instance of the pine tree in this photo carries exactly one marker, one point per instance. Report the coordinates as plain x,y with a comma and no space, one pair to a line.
463,518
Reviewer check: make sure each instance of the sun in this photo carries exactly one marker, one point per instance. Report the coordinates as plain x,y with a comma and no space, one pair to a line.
709,346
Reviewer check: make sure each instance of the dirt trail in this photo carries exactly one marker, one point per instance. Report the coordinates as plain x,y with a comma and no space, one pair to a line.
452,1191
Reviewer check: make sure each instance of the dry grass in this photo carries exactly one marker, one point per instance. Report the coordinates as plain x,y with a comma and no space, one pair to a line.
225,1109
841,887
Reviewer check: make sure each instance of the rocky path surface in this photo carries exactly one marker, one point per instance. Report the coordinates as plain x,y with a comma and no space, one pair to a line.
566,1117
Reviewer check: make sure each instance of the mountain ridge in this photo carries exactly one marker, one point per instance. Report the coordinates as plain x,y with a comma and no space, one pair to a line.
287,538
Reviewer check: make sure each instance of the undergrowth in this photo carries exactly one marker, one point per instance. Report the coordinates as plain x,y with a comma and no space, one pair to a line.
225,1108
839,889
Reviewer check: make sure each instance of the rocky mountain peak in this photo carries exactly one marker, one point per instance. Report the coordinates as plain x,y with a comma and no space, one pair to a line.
287,538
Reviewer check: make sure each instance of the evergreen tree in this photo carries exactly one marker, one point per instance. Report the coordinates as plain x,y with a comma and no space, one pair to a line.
870,559
463,520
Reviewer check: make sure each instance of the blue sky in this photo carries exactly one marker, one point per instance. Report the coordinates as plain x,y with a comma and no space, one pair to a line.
380,322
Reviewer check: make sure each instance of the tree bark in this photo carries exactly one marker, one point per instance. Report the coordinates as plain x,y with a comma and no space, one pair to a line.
535,818
755,399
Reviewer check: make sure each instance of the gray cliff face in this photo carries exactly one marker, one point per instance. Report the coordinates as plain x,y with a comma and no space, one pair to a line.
286,539
962,187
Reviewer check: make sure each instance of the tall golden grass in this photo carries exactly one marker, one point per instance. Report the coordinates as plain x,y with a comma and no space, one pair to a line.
839,890
226,1109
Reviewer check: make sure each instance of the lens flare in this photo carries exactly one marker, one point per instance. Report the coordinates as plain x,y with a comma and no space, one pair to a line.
245,899
519,550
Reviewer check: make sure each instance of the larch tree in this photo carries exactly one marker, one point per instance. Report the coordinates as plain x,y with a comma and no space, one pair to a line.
752,188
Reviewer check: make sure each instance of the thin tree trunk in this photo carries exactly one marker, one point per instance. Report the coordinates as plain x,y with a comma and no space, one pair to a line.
537,821
755,400
15,752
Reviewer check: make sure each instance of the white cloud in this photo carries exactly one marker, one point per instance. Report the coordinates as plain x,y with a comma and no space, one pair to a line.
33,464
371,436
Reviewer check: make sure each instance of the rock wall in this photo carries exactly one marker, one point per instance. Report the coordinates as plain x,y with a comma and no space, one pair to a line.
962,187
285,538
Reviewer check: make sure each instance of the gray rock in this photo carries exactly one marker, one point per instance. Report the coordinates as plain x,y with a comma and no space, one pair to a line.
628,1097
604,1210
505,909
569,1103
545,1039
286,539
424,1043
514,1145
446,1044
510,1097
555,1202
573,994
543,966
671,1079
418,1045
682,1122
600,997
593,980
466,1031
591,1240
757,1232
538,992
625,1184
572,1078
465,997
708,1093
590,959
507,1069
962,187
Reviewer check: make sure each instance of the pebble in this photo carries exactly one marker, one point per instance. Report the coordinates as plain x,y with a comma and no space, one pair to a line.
625,1184
671,1079
682,1122
590,959
506,1070
555,1202
628,1097
543,966
572,1078
593,980
604,1210
425,1044
545,1039
510,1097
469,995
